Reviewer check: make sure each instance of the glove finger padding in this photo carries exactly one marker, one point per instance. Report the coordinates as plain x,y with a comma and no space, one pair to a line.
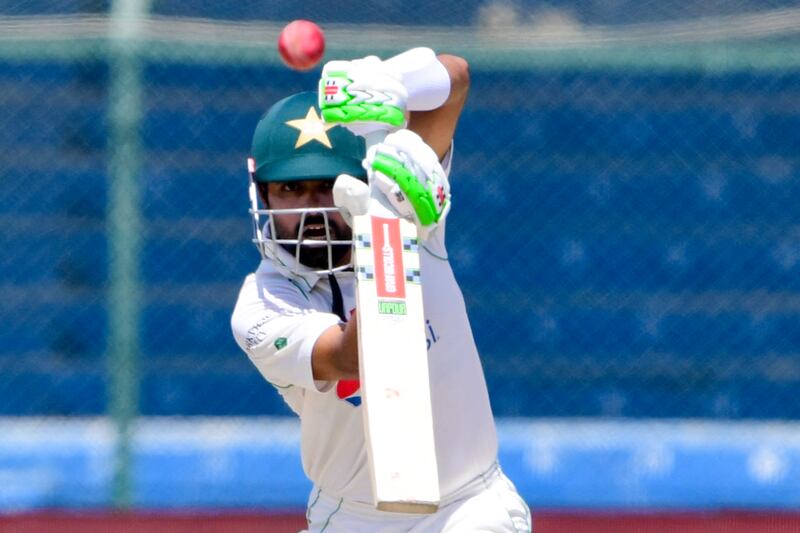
351,196
407,171
362,93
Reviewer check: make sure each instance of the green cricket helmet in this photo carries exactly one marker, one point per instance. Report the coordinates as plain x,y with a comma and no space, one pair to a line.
292,143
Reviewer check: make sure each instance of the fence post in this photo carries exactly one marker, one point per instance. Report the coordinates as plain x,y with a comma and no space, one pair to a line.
124,230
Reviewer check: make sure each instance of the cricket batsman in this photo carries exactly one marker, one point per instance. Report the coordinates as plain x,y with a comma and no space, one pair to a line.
294,318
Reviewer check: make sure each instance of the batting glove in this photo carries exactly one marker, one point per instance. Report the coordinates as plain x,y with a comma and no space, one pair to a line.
351,196
407,171
363,95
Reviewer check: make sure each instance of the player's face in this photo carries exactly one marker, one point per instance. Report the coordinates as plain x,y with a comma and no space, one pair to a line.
309,194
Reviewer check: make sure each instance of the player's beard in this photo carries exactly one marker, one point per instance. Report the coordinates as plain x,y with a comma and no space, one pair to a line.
316,257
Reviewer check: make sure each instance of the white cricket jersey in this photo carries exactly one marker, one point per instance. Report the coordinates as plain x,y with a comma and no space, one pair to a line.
278,319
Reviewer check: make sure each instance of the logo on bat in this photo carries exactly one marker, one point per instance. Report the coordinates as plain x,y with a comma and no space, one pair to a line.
388,255
391,307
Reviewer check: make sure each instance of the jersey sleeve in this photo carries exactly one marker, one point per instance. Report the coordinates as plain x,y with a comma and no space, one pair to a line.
447,160
277,331
435,244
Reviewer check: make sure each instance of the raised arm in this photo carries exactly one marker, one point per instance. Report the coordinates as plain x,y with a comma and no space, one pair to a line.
367,94
437,127
335,353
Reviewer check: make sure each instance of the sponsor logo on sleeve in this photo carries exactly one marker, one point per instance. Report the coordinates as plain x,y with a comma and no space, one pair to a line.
349,390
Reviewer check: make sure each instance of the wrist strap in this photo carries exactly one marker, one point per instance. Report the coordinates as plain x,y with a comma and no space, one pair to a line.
424,77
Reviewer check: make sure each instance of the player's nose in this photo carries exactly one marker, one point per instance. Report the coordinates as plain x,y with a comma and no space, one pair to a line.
321,196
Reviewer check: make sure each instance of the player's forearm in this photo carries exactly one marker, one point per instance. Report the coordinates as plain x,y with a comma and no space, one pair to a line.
437,126
335,354
458,69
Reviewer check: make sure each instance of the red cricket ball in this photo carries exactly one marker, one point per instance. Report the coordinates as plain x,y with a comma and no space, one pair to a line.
301,44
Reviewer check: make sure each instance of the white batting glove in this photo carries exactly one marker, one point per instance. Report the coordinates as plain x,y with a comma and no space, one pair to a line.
363,95
351,196
407,171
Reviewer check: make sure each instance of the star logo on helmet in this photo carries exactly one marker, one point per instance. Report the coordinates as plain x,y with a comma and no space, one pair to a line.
311,129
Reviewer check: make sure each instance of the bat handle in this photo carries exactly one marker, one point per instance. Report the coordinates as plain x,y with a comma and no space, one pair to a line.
374,137
378,204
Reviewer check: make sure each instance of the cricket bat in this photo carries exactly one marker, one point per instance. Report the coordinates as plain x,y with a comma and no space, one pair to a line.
393,360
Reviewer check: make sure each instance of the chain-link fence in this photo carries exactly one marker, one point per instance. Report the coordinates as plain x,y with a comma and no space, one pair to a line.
625,223
625,230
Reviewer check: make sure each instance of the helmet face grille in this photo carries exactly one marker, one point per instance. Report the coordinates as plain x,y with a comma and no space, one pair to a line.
315,247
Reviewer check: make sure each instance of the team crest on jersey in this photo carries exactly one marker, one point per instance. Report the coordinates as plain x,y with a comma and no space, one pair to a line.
349,390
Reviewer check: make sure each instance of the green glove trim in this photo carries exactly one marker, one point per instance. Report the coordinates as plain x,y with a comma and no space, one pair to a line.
421,199
346,113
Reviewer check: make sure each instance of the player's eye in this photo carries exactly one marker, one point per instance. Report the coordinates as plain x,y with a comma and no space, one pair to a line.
290,186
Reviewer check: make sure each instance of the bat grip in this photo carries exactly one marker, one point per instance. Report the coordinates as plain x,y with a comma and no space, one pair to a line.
374,137
378,204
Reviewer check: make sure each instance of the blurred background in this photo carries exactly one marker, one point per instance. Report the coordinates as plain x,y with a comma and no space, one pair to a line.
626,231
